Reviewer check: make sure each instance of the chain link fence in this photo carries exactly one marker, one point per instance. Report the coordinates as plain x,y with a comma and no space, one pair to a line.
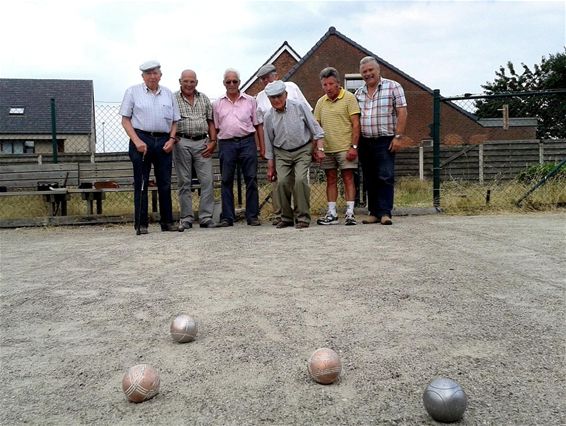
492,150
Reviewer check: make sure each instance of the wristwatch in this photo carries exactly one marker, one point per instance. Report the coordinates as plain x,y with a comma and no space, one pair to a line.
321,149
354,146
398,136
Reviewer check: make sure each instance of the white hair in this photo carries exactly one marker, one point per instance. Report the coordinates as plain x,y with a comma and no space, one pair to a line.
231,70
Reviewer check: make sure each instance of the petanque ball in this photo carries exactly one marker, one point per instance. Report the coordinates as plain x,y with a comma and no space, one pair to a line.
324,366
445,400
140,383
184,329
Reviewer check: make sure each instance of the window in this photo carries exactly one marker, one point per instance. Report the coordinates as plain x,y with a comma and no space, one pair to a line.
17,147
352,82
17,110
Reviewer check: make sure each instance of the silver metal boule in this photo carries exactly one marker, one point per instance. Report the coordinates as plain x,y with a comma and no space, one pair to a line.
184,328
445,400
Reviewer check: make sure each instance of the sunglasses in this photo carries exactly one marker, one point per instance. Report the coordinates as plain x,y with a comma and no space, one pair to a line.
231,82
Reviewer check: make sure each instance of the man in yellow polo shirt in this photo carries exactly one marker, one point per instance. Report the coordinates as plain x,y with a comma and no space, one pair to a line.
338,113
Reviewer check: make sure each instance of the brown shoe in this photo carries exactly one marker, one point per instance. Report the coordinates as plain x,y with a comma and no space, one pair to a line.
302,225
386,220
283,224
370,220
276,221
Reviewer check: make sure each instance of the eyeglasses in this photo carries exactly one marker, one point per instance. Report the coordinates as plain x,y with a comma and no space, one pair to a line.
231,82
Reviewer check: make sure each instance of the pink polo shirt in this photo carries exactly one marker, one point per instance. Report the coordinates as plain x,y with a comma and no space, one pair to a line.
235,119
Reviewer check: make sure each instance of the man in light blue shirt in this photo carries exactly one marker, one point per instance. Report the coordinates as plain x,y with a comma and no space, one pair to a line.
149,117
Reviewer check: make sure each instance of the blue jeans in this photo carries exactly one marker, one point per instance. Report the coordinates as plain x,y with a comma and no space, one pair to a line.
162,166
244,153
378,167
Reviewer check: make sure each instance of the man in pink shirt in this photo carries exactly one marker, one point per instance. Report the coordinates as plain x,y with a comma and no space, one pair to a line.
236,123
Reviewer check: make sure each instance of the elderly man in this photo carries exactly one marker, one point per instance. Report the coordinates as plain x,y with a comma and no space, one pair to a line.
339,115
383,120
235,118
149,117
197,142
268,74
289,127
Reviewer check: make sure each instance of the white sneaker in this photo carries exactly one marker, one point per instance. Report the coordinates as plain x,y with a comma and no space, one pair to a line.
329,219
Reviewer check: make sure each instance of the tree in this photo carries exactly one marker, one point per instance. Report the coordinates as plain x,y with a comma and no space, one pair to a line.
550,108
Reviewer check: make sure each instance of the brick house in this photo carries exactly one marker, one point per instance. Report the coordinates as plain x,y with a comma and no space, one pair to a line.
25,115
336,50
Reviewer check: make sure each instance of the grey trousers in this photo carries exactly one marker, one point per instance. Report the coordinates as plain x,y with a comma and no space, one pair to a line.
292,176
188,154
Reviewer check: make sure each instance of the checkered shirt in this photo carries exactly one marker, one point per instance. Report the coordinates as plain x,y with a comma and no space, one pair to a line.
194,119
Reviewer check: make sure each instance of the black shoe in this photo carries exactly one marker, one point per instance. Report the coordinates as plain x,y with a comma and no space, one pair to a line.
224,224
284,224
169,227
208,224
254,222
142,230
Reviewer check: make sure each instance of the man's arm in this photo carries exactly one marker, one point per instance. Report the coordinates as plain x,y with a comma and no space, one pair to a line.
397,143
353,152
129,128
212,140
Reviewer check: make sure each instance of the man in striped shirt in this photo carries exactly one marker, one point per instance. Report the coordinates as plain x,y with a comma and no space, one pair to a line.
383,121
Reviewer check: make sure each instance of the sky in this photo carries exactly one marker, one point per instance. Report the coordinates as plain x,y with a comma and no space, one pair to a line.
454,46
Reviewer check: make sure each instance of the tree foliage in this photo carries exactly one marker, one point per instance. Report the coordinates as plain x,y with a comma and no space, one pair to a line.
549,108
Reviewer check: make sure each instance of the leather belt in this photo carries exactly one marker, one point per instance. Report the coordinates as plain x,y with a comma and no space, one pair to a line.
294,149
239,138
153,134
194,137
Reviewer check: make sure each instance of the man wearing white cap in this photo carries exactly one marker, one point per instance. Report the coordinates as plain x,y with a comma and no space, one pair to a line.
149,117
268,74
288,128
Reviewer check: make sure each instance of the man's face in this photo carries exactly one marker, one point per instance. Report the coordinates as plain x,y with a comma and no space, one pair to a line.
370,73
232,83
151,78
268,78
188,82
278,101
331,87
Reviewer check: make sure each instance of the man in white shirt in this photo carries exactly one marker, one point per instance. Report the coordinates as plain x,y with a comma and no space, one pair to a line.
268,74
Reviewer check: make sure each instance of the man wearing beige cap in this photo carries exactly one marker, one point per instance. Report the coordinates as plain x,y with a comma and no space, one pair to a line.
149,117
288,129
268,74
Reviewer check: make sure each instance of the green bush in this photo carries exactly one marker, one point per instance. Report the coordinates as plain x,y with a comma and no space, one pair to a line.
535,173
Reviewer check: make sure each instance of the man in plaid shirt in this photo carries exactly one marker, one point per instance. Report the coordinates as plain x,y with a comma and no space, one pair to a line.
382,121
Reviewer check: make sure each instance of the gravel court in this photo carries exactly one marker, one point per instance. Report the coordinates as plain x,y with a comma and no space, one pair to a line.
478,299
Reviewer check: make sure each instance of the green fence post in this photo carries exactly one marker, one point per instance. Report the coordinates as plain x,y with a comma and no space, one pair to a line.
54,131
436,149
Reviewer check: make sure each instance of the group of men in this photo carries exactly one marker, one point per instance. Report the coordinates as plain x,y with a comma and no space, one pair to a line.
279,123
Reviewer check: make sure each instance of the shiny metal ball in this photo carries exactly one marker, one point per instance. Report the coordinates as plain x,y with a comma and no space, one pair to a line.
184,329
140,383
324,366
445,400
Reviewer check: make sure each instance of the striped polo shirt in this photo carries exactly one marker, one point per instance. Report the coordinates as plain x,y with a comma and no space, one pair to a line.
334,117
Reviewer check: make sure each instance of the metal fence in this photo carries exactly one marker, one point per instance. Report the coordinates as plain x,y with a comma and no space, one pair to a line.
483,152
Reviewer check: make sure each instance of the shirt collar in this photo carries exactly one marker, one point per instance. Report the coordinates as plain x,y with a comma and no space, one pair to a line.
340,95
147,89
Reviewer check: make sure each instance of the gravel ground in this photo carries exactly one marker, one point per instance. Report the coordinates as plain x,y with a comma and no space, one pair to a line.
478,299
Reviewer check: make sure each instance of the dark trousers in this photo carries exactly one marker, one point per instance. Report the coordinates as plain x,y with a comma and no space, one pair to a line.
244,153
162,164
378,167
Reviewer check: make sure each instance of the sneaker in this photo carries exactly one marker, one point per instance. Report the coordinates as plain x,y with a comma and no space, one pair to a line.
329,219
350,219
184,225
386,220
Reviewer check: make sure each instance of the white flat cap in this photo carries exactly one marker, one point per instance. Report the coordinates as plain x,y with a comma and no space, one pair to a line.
266,69
149,65
275,88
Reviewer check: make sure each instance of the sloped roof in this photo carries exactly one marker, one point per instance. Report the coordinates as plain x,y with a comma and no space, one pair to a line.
74,104
334,31
284,47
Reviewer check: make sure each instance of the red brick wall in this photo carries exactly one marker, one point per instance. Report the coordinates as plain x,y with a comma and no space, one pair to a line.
456,127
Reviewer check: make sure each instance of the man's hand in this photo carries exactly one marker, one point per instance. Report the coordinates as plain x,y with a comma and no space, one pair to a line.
318,156
271,173
168,147
351,154
399,143
141,147
208,149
